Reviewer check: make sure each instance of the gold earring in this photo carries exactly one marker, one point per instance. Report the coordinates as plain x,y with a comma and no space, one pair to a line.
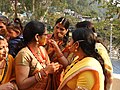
37,43
76,50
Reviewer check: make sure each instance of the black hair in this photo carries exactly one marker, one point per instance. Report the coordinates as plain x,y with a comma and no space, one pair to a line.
86,24
4,20
87,41
65,22
18,23
31,29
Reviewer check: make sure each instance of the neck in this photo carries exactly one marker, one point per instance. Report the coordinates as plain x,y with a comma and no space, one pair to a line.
33,45
80,54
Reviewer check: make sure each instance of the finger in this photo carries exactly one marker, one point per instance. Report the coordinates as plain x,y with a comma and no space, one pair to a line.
10,87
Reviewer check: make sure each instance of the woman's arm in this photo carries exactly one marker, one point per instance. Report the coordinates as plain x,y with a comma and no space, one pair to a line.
22,79
61,58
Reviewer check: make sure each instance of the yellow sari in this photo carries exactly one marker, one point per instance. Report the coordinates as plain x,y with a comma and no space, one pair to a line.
108,65
86,64
8,74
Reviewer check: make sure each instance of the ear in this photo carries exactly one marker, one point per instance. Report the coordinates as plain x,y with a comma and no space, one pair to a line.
76,44
36,37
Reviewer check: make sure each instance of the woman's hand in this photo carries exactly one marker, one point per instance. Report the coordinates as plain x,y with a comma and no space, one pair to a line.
53,44
53,67
7,86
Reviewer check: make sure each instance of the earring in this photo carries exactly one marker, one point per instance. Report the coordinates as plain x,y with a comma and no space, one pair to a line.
37,42
76,50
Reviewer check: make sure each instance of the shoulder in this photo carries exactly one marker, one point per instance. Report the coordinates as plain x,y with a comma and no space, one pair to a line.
89,63
10,58
24,53
100,47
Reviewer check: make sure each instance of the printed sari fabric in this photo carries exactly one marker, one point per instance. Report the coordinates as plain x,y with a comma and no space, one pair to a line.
26,58
57,76
74,74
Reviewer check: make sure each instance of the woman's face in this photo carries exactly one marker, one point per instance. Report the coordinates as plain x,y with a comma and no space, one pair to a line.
71,45
3,30
3,49
43,38
12,33
59,31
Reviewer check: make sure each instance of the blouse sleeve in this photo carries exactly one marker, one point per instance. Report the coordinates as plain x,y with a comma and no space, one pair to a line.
86,79
22,59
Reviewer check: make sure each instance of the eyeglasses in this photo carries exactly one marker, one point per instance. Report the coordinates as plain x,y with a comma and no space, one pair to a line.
61,29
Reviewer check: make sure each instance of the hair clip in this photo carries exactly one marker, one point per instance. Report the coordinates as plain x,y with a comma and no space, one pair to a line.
62,20
81,40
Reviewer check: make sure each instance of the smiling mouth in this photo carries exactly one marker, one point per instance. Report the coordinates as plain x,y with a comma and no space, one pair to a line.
4,55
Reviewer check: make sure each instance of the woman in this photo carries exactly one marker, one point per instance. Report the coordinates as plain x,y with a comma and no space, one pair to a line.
101,49
32,62
7,76
85,70
61,36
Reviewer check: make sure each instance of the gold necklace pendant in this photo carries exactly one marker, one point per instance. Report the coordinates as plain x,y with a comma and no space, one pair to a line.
38,52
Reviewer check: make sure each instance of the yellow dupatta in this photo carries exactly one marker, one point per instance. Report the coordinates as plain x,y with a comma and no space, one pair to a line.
9,75
87,63
108,65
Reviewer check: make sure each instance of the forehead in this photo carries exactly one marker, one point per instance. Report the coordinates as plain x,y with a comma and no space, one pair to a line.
60,25
4,41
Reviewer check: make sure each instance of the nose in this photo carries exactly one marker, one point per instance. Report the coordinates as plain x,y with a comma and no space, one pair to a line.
58,29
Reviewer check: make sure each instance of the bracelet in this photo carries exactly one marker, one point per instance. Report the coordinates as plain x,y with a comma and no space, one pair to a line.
38,77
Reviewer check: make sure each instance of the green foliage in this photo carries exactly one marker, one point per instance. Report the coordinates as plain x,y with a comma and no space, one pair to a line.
51,10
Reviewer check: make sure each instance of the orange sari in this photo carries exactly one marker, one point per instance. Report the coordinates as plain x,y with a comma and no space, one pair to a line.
57,76
25,57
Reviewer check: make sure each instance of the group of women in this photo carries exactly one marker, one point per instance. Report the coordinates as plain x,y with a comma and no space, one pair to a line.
54,63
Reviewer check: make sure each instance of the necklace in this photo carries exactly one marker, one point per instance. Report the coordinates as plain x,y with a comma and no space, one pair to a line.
74,61
39,56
